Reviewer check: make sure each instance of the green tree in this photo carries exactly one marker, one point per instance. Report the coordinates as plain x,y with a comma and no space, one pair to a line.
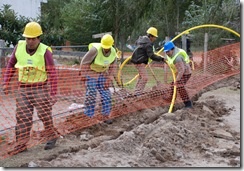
82,19
220,12
167,15
125,16
52,23
79,20
11,25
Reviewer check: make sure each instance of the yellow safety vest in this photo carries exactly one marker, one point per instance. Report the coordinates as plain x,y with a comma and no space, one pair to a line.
31,67
101,63
171,60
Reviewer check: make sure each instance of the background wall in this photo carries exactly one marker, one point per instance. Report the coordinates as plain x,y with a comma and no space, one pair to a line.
27,8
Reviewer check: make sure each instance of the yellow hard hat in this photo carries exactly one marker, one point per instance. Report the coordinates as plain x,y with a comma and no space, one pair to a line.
107,41
32,29
153,31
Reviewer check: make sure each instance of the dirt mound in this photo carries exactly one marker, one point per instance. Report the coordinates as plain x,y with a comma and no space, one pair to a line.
161,143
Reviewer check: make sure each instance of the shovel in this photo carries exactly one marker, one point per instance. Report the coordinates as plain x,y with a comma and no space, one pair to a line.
157,81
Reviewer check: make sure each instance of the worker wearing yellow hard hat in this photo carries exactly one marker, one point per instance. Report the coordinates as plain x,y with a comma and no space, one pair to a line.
36,71
142,55
97,70
107,41
32,29
153,31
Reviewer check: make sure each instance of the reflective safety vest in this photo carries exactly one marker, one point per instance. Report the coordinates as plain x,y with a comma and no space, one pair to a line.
171,60
31,68
101,63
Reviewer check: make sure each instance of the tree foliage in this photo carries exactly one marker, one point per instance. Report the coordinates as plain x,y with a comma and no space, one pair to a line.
220,12
81,21
77,21
51,22
11,25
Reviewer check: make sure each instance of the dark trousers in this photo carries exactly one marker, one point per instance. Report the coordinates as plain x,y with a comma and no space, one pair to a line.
27,99
143,78
181,88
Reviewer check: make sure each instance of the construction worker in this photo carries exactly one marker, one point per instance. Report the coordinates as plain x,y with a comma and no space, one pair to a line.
98,68
141,56
34,63
178,60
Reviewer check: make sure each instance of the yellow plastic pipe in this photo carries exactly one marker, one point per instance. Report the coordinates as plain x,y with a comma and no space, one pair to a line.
184,32
174,77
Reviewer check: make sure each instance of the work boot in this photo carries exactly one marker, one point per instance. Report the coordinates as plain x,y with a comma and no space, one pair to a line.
107,119
50,144
188,104
18,149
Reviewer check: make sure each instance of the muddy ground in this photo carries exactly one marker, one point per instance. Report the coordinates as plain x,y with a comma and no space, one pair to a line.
206,136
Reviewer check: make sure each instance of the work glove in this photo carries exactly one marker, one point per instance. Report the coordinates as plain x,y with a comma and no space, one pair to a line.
163,60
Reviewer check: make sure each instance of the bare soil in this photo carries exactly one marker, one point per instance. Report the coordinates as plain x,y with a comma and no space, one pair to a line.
206,136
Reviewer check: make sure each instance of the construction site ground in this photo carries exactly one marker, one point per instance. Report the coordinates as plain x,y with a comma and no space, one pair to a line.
206,136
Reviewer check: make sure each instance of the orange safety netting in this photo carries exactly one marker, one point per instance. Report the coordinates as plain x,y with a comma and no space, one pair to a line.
67,114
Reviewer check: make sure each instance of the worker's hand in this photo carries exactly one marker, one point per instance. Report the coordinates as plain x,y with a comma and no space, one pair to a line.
163,58
83,79
6,89
107,83
53,100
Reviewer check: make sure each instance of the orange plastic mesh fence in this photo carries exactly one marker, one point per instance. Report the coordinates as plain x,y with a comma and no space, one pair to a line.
39,121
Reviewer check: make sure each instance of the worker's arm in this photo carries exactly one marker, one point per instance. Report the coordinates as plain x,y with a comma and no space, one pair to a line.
110,74
86,62
52,72
180,66
152,55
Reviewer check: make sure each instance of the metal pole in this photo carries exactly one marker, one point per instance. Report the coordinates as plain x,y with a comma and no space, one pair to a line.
2,45
167,38
183,40
205,52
